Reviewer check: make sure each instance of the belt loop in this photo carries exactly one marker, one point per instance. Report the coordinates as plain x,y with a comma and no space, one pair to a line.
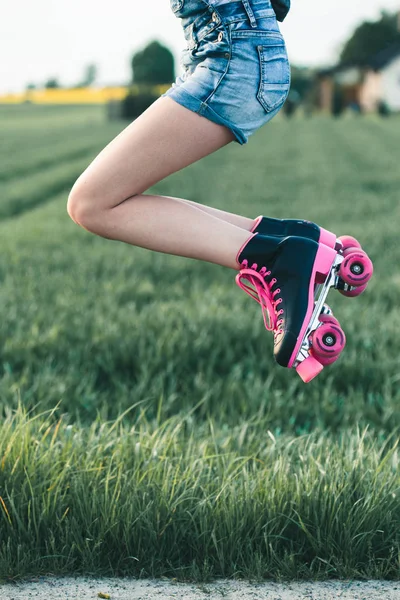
250,14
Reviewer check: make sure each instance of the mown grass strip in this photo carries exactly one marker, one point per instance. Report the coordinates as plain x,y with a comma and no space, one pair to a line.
35,118
18,196
44,161
98,322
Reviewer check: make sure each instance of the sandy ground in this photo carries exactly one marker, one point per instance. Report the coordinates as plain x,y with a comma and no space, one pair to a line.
85,588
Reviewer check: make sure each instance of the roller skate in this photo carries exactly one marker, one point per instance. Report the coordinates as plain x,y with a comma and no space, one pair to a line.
303,228
290,278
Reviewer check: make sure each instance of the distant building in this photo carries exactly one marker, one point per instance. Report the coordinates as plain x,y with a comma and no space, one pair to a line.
367,87
382,81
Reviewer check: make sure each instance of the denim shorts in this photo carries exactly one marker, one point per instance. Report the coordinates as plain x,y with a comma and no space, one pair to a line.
235,65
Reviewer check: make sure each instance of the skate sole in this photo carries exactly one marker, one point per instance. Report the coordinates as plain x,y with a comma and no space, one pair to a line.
326,262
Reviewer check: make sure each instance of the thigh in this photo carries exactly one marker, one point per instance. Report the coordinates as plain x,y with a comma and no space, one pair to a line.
164,139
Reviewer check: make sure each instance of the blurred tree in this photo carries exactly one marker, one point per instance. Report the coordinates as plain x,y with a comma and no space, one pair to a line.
292,103
302,79
52,83
301,86
370,38
383,109
89,76
154,65
338,100
134,105
31,86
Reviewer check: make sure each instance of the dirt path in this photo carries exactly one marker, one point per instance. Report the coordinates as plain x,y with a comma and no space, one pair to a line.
85,588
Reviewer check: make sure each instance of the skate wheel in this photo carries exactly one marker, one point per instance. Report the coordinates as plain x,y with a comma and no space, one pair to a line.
324,360
328,340
309,368
329,319
356,268
349,242
355,292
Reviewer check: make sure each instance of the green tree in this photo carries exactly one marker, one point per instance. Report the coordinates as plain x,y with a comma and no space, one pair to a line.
153,65
370,38
52,83
89,76
302,79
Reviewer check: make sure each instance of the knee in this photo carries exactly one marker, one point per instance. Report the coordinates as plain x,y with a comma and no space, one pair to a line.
81,208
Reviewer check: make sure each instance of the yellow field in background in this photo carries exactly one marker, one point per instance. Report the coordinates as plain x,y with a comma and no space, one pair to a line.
77,95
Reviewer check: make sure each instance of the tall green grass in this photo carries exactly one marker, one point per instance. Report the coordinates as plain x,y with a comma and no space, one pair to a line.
224,463
183,499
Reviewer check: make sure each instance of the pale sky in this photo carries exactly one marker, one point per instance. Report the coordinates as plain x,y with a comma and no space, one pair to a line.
54,38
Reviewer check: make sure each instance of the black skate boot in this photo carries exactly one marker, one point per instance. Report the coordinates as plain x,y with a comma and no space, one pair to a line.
297,227
308,229
282,273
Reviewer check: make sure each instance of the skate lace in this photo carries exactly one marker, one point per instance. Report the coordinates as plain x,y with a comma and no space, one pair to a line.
262,293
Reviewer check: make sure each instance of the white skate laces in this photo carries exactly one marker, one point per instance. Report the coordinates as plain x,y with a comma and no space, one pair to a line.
262,293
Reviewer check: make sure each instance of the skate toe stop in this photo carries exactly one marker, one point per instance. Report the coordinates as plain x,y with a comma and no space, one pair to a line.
309,368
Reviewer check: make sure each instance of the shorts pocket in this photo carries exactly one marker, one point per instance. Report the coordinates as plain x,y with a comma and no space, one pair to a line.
176,5
274,73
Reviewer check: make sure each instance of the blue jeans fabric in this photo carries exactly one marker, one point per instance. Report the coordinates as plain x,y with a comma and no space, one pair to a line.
236,70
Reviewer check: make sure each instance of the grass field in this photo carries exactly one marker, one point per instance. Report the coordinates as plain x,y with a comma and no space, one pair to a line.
146,428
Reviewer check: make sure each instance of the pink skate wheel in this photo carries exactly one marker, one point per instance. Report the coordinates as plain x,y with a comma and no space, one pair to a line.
328,340
349,242
324,360
357,268
309,368
328,319
355,292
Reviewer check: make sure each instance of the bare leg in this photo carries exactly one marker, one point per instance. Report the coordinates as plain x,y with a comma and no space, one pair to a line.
108,198
238,220
167,225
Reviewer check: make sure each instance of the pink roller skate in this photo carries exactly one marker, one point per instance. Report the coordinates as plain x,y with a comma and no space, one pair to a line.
302,228
290,278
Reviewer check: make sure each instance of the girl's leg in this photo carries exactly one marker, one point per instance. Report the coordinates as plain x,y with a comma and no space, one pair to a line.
108,198
238,220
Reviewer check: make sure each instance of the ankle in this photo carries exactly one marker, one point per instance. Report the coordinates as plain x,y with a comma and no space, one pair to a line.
255,222
249,237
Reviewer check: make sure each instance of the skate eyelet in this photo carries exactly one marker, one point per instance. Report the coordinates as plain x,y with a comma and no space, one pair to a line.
261,291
